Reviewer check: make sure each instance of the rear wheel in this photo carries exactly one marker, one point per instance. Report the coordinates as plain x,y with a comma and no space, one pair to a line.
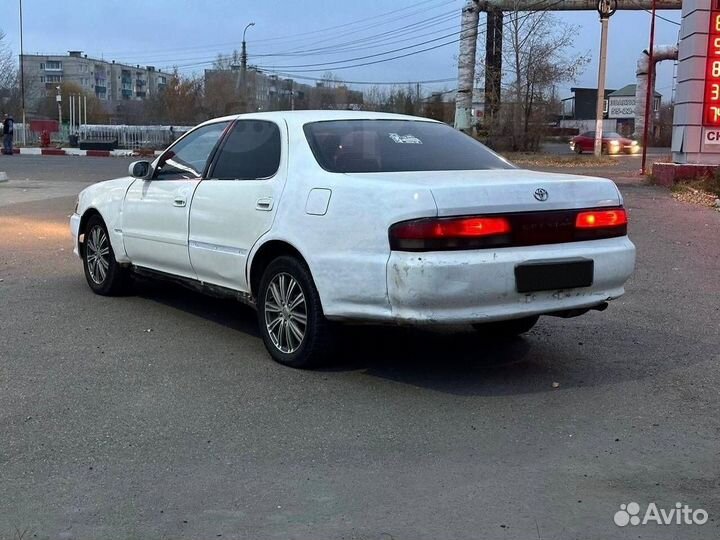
505,329
102,272
293,326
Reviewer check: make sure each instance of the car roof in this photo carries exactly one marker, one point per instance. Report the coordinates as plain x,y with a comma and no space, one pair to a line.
305,116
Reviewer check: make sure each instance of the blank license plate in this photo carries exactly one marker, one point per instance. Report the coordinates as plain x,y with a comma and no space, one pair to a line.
549,276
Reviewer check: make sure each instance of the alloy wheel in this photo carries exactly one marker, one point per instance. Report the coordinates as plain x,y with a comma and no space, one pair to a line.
97,254
285,313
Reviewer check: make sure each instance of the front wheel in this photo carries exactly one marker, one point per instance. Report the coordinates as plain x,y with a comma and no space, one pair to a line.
102,272
505,329
293,326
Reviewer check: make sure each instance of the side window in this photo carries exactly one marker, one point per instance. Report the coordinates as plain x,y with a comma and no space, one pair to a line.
187,158
251,151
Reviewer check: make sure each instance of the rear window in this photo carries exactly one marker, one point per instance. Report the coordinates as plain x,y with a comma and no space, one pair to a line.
357,146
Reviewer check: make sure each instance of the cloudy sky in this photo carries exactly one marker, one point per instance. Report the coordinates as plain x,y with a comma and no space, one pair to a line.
306,38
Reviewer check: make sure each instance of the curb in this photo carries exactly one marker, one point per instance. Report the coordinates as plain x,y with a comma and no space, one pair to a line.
33,151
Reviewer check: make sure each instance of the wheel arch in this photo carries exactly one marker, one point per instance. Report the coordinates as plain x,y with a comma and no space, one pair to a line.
265,254
89,212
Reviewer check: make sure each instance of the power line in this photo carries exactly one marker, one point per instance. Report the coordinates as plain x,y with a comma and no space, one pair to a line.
328,64
361,83
383,60
332,64
662,18
293,37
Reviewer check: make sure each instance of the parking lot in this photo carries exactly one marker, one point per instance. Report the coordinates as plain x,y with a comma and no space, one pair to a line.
160,415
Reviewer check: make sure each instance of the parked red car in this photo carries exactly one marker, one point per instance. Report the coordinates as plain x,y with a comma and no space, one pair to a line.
612,143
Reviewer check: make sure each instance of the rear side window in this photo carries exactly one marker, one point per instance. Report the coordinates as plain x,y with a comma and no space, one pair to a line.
251,151
355,146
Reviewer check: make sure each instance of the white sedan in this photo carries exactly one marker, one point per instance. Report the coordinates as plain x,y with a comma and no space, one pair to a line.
317,217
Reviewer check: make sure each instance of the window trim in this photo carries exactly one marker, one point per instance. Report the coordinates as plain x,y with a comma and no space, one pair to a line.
211,155
218,150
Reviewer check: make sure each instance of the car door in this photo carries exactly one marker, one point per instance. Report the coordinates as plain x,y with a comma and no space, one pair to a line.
155,211
236,204
588,141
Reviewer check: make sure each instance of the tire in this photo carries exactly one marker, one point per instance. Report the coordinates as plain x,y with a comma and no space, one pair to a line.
506,329
578,149
286,298
102,272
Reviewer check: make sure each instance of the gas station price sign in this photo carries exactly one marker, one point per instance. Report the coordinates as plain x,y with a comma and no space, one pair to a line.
711,113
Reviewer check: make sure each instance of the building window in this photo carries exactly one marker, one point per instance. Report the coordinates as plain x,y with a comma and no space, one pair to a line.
42,65
42,78
53,78
53,65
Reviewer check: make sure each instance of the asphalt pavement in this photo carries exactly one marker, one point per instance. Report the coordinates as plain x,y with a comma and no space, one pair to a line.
160,415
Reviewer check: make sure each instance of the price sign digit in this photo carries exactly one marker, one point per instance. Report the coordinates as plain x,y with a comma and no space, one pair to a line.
711,116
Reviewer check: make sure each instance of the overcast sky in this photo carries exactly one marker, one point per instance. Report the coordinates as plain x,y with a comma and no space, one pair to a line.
190,33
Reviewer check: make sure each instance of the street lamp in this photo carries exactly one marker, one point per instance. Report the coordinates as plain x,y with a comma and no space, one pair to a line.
243,66
243,57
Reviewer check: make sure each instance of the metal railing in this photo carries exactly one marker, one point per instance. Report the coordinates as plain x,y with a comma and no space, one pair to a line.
127,137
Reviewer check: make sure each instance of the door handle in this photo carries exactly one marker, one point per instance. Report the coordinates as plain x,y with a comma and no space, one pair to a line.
265,204
180,202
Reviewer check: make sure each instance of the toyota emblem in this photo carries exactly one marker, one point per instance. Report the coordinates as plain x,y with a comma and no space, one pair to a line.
541,194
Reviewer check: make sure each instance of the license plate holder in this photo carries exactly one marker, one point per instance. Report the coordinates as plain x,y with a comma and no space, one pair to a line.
535,276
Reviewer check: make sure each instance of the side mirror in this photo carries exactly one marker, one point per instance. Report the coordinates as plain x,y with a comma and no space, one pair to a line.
140,169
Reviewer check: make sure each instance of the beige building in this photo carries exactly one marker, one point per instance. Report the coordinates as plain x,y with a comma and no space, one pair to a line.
109,81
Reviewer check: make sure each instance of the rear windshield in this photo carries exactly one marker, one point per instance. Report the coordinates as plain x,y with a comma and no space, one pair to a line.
356,146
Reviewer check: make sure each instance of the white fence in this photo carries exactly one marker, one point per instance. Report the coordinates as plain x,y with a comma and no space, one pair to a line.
588,125
130,137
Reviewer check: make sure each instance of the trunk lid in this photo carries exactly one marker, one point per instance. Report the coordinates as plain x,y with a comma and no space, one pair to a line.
496,191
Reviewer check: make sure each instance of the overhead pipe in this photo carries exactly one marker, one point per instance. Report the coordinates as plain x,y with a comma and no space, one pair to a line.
469,34
572,5
660,53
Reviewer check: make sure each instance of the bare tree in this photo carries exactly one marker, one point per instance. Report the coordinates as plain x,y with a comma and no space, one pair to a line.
8,66
537,56
46,107
405,100
9,92
227,61
180,102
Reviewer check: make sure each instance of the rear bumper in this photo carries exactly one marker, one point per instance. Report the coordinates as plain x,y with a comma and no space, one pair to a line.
479,286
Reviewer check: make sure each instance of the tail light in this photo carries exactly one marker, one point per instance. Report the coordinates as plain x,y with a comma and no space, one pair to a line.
520,229
596,219
449,233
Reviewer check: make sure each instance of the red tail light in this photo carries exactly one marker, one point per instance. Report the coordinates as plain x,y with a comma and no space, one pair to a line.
601,219
449,233
519,229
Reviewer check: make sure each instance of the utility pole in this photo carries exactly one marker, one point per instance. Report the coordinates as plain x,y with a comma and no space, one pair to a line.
22,80
466,65
605,8
650,90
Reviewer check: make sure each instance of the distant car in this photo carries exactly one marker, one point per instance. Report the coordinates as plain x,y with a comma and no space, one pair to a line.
320,217
612,143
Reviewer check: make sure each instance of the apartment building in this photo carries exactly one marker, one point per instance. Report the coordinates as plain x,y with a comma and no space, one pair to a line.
109,81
